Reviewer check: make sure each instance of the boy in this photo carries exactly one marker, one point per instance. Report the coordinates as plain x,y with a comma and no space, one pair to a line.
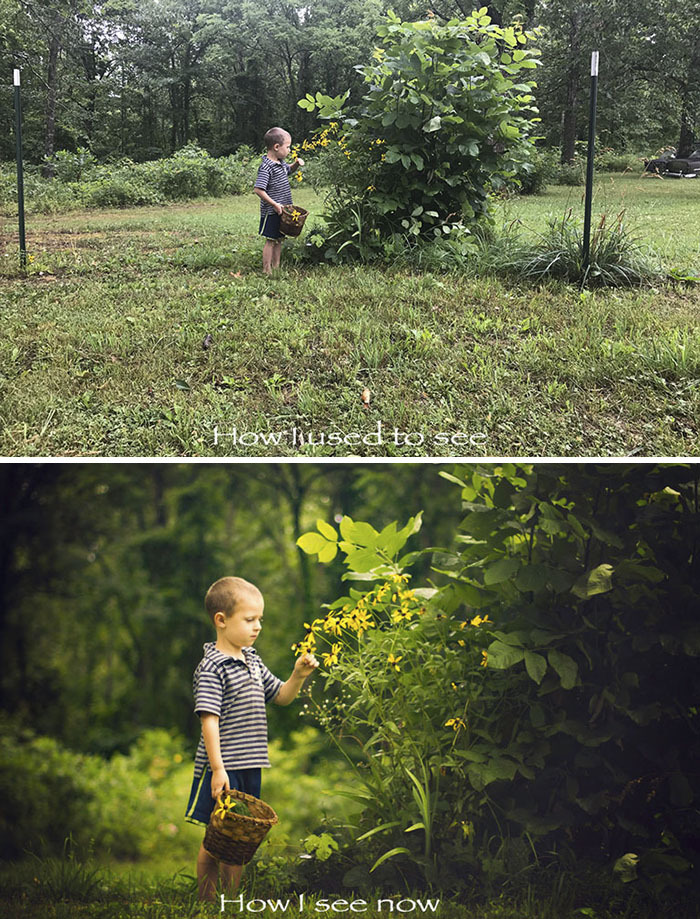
272,187
231,686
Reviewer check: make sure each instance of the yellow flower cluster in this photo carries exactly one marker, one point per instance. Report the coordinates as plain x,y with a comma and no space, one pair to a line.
390,603
476,621
328,136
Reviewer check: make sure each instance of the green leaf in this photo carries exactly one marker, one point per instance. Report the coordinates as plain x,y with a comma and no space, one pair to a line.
502,656
390,854
536,666
502,570
328,553
596,581
565,666
312,543
433,124
359,533
531,577
327,530
378,829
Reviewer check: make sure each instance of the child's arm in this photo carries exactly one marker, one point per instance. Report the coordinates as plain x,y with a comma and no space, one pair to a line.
297,164
210,733
288,691
267,199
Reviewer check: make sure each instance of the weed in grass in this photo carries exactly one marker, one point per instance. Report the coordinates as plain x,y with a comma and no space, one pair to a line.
68,878
616,257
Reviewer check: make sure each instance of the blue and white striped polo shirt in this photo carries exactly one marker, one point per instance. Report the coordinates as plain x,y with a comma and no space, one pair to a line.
273,177
236,691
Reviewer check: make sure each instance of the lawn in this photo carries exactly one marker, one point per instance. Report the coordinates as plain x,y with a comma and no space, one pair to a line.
104,347
60,889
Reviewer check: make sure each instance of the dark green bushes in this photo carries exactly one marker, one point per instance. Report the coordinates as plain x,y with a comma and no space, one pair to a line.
80,182
540,707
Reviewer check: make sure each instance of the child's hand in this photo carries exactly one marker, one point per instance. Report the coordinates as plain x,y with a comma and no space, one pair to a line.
219,781
305,665
300,162
277,207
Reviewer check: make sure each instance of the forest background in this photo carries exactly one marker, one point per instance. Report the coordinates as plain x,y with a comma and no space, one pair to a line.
143,79
525,708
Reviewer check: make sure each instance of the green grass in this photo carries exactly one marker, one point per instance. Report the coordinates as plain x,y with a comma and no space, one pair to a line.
102,349
50,890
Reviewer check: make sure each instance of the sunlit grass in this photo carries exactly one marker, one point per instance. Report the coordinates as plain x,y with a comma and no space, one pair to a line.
103,352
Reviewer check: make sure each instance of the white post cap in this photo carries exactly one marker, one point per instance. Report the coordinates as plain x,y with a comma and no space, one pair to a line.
16,76
594,64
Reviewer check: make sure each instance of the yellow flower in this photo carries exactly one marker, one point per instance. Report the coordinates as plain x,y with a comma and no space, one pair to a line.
332,657
484,659
477,620
455,723
461,642
225,805
306,646
394,661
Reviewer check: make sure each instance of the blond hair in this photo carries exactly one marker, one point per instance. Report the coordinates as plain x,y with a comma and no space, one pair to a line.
225,594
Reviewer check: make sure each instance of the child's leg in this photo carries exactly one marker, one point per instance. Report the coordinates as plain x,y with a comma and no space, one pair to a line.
276,253
268,255
207,875
230,878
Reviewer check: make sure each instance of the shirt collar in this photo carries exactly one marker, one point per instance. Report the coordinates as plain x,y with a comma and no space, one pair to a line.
212,653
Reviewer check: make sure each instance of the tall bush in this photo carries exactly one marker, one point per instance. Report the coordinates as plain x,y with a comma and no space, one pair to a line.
445,119
543,699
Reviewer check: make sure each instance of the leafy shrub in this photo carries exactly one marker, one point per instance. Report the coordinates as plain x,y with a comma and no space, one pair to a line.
444,121
539,701
121,805
607,160
569,174
71,167
535,175
119,189
80,182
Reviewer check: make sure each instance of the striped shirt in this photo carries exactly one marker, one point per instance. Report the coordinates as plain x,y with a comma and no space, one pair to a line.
236,691
273,177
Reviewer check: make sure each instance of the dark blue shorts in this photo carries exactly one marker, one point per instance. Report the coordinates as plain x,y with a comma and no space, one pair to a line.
270,227
201,803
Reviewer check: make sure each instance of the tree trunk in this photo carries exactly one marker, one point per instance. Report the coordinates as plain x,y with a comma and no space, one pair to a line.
573,80
686,138
51,95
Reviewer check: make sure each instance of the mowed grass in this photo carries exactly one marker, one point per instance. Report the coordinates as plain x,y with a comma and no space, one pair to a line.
103,347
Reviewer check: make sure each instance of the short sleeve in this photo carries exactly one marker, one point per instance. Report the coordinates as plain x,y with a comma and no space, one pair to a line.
271,683
263,179
208,692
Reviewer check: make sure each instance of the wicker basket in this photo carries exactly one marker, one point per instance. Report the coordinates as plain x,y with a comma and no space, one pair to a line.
292,219
234,838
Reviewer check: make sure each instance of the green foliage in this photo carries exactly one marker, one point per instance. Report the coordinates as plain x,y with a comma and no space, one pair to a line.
71,167
608,160
80,182
543,694
445,119
118,806
617,258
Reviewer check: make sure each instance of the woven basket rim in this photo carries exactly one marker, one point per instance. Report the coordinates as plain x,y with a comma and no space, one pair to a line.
270,820
288,208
